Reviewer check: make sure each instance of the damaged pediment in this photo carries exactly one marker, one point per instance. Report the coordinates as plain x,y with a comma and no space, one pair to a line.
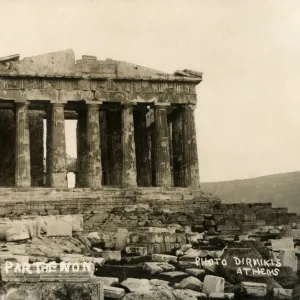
188,73
63,63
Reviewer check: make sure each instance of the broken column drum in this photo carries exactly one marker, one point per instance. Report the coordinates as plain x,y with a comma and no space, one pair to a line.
135,125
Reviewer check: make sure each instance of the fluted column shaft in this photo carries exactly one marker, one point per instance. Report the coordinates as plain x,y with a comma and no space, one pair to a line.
143,161
93,159
190,152
129,174
22,168
162,148
57,171
81,149
178,145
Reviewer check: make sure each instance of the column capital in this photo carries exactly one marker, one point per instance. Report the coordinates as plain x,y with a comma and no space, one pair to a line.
93,103
19,104
127,103
58,102
161,104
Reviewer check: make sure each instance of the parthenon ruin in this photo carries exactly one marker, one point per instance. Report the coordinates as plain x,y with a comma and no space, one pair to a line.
135,125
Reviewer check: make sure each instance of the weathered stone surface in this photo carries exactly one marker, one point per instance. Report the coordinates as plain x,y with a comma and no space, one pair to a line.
23,172
288,259
21,259
94,238
286,277
211,267
107,281
142,251
81,149
284,294
174,274
254,289
94,167
158,267
129,173
83,239
195,272
49,291
75,220
142,142
16,231
164,258
137,285
162,148
191,283
193,252
283,244
189,295
158,282
165,293
58,227
185,247
113,292
111,255
221,296
213,284
121,238
190,155
57,172
62,62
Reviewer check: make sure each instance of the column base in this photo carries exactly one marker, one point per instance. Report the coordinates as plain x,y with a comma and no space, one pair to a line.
23,184
59,180
93,181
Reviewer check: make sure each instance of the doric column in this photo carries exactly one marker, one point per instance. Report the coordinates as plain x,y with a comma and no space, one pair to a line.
57,171
104,147
190,147
36,132
48,145
162,147
143,162
129,175
22,171
115,150
81,149
178,144
94,168
170,128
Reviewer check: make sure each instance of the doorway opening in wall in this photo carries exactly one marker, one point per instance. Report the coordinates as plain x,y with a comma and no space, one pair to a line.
71,177
71,151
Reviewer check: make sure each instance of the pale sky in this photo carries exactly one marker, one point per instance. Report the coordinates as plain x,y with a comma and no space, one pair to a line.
248,115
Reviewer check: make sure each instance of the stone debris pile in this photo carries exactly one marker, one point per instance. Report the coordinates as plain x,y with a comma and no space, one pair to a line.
170,262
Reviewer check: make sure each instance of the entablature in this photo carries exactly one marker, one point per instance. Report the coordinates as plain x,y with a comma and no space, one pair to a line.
107,90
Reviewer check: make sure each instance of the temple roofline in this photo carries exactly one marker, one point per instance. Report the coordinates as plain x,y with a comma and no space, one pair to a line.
62,64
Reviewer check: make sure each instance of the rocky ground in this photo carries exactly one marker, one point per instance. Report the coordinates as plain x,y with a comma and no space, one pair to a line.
165,263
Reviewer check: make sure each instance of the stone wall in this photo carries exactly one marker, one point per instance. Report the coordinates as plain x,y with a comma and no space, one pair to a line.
111,208
109,204
244,216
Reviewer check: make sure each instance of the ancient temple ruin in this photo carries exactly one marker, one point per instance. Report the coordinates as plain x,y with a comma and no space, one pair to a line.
135,125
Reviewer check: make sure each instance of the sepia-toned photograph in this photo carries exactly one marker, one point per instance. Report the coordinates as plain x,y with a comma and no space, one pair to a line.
150,150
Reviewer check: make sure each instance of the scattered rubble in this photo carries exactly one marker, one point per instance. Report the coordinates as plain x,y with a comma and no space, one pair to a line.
171,262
